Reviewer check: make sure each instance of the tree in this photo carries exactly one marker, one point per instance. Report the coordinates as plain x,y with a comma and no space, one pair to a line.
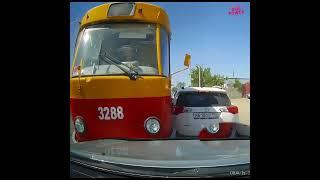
207,79
218,80
237,84
205,76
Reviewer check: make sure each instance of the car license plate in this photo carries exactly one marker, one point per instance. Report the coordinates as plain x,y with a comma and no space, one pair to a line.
204,115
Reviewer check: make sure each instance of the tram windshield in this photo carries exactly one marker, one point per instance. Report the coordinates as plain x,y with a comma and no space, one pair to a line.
133,44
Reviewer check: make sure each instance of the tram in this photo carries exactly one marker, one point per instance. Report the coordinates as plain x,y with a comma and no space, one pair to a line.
120,82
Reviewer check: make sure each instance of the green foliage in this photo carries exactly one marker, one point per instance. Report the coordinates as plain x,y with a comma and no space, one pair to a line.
238,85
207,79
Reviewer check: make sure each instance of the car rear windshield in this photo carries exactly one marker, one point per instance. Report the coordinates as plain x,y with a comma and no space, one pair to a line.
203,99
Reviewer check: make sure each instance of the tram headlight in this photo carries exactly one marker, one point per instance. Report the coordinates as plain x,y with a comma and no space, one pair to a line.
213,128
152,125
79,125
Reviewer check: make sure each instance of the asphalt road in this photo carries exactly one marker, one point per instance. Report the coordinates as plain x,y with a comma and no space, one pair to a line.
244,115
244,109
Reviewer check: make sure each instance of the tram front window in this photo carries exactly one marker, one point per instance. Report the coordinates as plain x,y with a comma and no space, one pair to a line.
134,45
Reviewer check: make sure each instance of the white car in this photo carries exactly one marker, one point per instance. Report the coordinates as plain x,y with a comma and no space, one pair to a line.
198,109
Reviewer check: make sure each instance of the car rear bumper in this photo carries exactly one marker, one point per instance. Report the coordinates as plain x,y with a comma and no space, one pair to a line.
193,127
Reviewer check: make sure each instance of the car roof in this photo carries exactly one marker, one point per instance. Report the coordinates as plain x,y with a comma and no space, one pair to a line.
201,89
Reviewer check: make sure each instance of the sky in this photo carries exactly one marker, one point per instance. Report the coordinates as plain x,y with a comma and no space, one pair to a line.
205,30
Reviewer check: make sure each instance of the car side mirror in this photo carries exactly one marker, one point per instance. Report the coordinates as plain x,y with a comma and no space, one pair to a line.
187,60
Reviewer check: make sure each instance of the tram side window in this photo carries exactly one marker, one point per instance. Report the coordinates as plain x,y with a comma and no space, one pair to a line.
80,54
74,53
165,52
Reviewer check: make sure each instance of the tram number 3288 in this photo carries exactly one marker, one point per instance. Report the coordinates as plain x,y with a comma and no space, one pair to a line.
110,113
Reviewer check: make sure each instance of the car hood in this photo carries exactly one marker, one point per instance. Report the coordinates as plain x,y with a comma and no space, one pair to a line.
165,153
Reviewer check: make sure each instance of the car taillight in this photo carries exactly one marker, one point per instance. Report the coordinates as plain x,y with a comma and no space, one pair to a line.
178,110
233,109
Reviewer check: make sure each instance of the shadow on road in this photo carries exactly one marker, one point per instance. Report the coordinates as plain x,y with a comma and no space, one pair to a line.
243,129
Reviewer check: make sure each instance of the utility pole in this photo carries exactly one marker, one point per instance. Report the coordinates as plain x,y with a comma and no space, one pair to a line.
233,70
199,75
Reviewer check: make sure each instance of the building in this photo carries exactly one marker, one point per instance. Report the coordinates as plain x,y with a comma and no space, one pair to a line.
230,82
245,89
233,92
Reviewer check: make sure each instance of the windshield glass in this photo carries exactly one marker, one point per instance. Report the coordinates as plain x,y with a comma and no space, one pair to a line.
162,92
134,45
204,99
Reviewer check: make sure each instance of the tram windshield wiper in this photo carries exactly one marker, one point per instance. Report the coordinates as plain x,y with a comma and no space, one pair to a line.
133,75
